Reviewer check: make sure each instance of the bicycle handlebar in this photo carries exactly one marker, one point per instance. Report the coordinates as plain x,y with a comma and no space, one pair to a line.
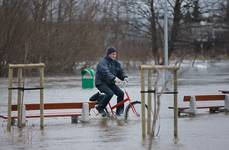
123,85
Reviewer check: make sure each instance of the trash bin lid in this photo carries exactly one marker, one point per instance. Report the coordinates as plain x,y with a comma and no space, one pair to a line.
89,71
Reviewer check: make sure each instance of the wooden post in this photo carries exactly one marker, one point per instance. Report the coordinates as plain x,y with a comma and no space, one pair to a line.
149,103
42,97
40,66
10,83
175,104
19,98
159,67
154,110
143,104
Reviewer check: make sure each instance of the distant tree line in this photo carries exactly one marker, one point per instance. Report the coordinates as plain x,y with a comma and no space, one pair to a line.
63,32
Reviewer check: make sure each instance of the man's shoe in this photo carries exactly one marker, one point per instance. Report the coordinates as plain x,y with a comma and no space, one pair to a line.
101,111
119,112
119,116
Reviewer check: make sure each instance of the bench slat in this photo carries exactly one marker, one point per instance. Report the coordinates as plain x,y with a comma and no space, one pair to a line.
56,114
205,98
73,105
199,107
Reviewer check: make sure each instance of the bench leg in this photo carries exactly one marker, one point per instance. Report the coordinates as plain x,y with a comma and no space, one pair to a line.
179,112
192,114
213,110
13,121
186,112
74,119
226,103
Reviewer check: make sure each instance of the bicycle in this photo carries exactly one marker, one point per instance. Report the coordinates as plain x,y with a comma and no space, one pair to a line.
131,112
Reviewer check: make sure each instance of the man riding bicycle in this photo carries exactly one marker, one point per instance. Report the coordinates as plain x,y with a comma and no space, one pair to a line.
109,72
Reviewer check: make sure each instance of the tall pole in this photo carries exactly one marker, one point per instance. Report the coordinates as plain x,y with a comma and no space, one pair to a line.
165,33
165,73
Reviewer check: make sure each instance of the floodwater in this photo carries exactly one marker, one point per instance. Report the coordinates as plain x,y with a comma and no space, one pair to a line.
204,131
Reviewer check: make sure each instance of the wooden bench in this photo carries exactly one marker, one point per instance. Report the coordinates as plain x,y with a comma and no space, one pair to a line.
197,99
51,106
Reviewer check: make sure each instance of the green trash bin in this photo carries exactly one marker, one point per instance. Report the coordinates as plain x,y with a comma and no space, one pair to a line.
88,78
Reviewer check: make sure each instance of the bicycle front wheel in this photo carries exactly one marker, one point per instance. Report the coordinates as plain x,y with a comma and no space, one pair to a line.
133,111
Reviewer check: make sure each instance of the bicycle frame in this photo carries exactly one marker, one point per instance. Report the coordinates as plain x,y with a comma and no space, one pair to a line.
127,99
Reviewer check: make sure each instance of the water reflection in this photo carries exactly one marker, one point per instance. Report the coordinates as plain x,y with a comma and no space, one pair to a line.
113,134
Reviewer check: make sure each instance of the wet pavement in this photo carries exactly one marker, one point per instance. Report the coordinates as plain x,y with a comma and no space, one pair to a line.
204,131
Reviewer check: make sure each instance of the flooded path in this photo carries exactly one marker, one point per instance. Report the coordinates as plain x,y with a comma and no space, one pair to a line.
204,131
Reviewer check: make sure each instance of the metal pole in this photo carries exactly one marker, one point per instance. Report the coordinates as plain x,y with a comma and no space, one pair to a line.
42,97
166,33
165,73
10,83
143,104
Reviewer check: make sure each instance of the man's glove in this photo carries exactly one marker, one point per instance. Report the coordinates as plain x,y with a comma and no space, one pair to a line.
126,80
117,80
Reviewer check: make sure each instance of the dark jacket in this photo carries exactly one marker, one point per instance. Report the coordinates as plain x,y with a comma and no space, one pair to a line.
106,71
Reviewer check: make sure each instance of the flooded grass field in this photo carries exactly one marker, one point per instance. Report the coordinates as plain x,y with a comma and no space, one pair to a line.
205,131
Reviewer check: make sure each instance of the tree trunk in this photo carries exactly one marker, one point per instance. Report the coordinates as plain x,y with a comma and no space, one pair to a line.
154,33
175,27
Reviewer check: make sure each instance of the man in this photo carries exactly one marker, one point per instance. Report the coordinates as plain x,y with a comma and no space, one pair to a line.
109,72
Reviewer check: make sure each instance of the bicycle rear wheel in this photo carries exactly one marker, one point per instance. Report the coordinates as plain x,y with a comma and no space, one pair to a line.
133,111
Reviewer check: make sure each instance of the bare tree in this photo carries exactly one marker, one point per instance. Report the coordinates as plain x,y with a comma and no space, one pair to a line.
62,32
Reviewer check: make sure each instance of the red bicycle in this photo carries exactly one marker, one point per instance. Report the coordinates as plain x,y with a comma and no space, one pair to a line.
132,110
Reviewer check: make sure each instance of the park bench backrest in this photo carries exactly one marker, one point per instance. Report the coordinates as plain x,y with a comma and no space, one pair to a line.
205,98
73,105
